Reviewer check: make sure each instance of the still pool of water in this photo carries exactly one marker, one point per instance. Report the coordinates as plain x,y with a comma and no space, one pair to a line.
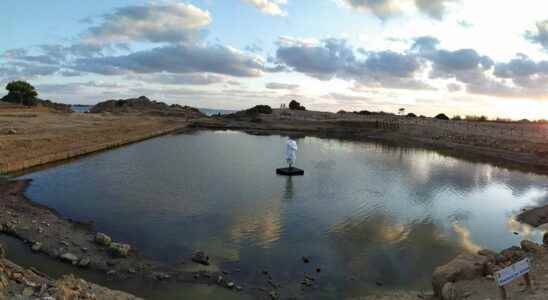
371,216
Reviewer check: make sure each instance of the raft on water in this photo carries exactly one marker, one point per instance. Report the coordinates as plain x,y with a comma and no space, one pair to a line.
290,171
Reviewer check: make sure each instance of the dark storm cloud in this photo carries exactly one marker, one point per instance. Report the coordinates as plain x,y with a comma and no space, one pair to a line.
177,59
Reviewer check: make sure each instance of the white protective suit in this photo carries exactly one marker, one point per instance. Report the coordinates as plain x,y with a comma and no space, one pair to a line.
291,152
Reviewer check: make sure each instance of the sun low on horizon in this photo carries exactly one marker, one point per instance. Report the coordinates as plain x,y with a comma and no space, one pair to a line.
458,57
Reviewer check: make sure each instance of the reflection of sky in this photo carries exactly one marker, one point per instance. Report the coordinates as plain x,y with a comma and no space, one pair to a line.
395,212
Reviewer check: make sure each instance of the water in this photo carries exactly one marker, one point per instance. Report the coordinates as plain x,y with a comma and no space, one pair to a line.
212,111
80,108
372,217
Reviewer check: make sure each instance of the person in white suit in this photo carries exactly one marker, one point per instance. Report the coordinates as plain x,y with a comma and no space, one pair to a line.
291,152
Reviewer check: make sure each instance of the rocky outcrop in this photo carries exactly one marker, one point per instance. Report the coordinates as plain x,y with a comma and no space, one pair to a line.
143,105
469,266
466,266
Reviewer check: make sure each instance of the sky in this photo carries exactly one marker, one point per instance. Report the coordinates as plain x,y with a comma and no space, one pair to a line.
458,57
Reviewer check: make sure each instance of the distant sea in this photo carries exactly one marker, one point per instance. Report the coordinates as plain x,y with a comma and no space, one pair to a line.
80,108
208,111
212,111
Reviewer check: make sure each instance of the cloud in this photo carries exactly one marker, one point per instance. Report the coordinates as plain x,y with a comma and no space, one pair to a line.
381,8
180,79
281,86
454,87
540,36
177,59
254,48
385,9
449,64
24,70
171,23
323,61
334,58
270,7
435,9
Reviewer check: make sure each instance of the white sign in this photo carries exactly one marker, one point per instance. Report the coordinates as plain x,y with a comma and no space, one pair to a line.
512,272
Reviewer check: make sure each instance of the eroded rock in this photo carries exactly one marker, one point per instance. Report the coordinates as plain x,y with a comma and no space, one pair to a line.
201,258
103,239
69,257
449,292
466,266
529,246
119,249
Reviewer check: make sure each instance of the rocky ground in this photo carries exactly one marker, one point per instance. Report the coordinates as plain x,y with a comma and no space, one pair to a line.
19,283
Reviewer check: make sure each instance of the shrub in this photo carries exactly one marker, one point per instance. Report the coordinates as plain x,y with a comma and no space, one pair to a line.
442,117
341,112
411,115
456,118
365,112
476,118
294,105
260,109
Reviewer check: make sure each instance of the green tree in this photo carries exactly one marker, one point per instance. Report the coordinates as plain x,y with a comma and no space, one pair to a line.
21,92
23,88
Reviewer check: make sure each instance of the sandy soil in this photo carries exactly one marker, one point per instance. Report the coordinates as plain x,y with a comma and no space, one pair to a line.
30,137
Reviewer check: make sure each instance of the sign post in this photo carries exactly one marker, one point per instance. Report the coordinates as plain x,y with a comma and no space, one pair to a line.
508,274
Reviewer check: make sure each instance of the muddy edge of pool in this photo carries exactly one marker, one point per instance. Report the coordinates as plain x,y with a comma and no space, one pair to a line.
47,233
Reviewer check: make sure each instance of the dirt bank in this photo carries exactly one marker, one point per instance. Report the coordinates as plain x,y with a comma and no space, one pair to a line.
521,145
31,137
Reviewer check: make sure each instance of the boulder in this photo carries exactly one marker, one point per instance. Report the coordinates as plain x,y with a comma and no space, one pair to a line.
545,239
8,228
529,246
491,255
119,249
201,258
4,283
449,292
513,253
37,246
466,266
84,262
103,239
69,257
